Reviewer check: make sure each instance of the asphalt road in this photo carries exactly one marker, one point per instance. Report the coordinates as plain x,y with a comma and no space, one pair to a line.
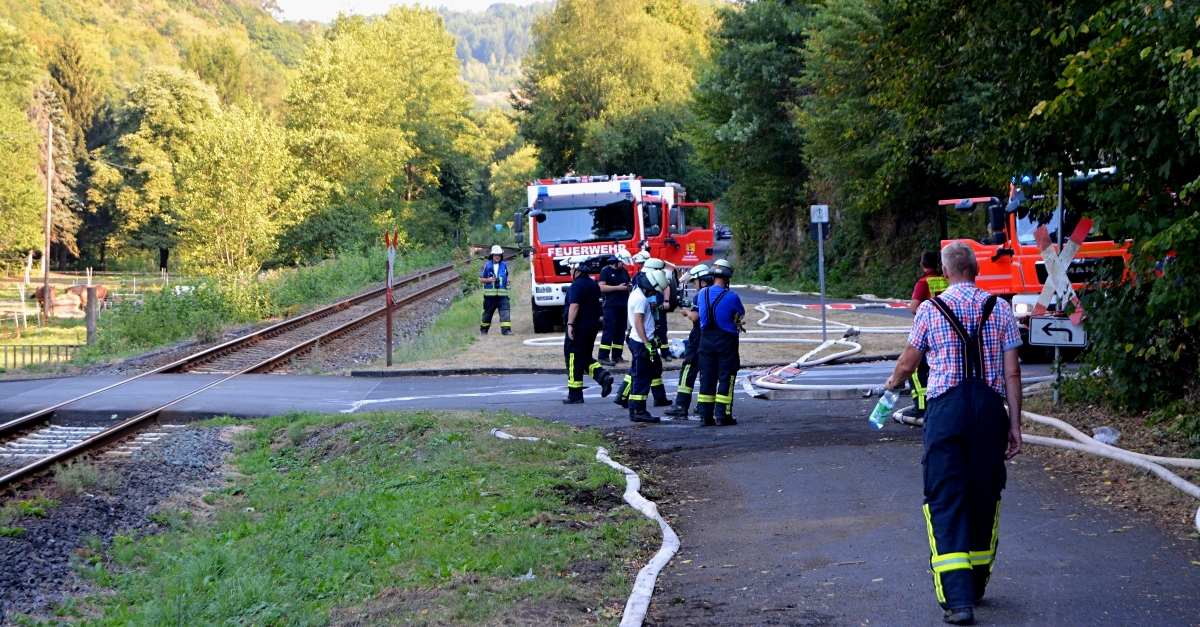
800,515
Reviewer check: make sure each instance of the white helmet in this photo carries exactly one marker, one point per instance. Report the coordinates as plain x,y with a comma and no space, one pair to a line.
698,271
623,257
496,250
722,268
657,279
577,262
654,264
641,257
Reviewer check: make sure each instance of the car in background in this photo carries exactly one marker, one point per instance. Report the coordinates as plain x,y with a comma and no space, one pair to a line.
722,231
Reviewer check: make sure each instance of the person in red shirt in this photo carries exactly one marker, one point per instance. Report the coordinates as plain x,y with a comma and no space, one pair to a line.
929,285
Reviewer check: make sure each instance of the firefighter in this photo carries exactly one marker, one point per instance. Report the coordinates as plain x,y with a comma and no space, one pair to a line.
972,340
616,284
929,285
720,312
687,376
581,317
657,387
660,313
495,292
646,366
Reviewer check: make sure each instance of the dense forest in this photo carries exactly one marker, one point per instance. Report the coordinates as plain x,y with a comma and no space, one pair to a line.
492,43
213,138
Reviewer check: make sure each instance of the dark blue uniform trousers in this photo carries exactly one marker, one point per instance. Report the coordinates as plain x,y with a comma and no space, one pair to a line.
966,435
612,340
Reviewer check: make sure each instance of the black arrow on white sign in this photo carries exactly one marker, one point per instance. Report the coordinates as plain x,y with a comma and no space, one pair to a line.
1050,328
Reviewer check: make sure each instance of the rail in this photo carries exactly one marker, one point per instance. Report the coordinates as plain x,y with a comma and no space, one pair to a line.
129,426
21,355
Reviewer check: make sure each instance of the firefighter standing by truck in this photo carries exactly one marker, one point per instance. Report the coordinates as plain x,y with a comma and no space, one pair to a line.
615,284
691,354
495,292
658,342
720,311
581,317
647,366
929,285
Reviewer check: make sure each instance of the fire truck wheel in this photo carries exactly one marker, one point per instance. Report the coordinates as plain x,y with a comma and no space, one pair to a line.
544,318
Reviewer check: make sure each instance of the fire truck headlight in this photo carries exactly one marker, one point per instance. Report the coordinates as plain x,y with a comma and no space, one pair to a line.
1021,309
542,289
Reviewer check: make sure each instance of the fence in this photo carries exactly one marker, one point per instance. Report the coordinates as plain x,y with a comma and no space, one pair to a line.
17,356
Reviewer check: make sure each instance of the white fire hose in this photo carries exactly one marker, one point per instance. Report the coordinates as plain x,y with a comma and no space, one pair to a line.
643,587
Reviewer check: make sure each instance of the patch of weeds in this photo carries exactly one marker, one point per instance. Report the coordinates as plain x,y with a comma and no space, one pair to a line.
77,477
411,517
35,506
1182,417
11,532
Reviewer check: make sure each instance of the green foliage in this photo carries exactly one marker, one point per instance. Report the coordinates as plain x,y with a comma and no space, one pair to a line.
77,85
454,330
607,87
413,501
238,188
509,178
744,130
157,123
240,76
205,310
492,44
379,117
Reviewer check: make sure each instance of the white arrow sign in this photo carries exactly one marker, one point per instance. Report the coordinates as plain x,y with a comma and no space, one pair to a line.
1058,285
1051,331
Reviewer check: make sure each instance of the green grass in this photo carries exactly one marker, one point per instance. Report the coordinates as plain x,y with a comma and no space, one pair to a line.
405,518
165,317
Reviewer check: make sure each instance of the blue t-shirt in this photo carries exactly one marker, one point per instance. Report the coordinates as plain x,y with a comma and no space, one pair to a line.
728,307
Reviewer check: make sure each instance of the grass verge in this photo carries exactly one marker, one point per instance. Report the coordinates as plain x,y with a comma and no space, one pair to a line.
390,518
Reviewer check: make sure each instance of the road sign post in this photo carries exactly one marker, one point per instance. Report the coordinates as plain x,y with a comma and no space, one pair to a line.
820,217
391,243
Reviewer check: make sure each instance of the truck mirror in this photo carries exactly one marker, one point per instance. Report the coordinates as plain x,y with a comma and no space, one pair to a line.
518,238
519,222
653,213
997,216
674,228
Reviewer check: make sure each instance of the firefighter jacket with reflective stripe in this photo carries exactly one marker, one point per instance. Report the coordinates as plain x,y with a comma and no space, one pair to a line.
498,271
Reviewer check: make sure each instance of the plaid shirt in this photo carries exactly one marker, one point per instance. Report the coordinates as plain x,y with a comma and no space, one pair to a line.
932,334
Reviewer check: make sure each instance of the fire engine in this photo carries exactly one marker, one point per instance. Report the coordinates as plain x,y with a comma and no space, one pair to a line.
596,216
1010,264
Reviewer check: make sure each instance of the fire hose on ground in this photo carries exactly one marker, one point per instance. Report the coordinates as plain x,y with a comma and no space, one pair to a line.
643,586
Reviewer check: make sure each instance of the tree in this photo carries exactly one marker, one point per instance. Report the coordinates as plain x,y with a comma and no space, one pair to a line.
66,207
607,87
74,81
509,177
157,123
238,188
379,115
20,210
745,131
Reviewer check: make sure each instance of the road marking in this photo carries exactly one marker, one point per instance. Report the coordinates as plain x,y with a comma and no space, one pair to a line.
399,399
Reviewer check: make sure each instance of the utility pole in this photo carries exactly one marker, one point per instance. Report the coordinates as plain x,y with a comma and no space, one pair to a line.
47,297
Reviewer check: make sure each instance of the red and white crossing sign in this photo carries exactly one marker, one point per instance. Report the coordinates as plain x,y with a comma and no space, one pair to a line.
1058,285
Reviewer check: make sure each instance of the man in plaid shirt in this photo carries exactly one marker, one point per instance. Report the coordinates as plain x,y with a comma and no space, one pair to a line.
968,433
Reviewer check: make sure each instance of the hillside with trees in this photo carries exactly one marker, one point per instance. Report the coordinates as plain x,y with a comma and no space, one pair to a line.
492,43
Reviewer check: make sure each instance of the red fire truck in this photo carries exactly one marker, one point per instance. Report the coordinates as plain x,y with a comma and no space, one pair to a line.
1010,261
596,216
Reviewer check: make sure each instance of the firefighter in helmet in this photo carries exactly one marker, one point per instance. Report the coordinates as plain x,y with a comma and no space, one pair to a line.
581,317
660,313
657,343
720,312
494,277
616,284
687,376
647,366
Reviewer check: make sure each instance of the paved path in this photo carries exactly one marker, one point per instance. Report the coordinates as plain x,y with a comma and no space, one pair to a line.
800,515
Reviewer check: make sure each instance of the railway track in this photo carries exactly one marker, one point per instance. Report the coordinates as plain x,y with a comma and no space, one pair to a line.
30,438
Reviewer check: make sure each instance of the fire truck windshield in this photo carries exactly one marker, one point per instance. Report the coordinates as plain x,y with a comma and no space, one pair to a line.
578,225
1028,222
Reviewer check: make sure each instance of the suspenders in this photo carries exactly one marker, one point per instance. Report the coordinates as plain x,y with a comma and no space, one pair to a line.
710,310
972,346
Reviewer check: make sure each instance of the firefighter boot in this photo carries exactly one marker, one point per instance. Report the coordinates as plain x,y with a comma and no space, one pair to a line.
723,417
483,329
680,408
574,396
616,355
602,356
660,395
704,411
622,398
606,384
